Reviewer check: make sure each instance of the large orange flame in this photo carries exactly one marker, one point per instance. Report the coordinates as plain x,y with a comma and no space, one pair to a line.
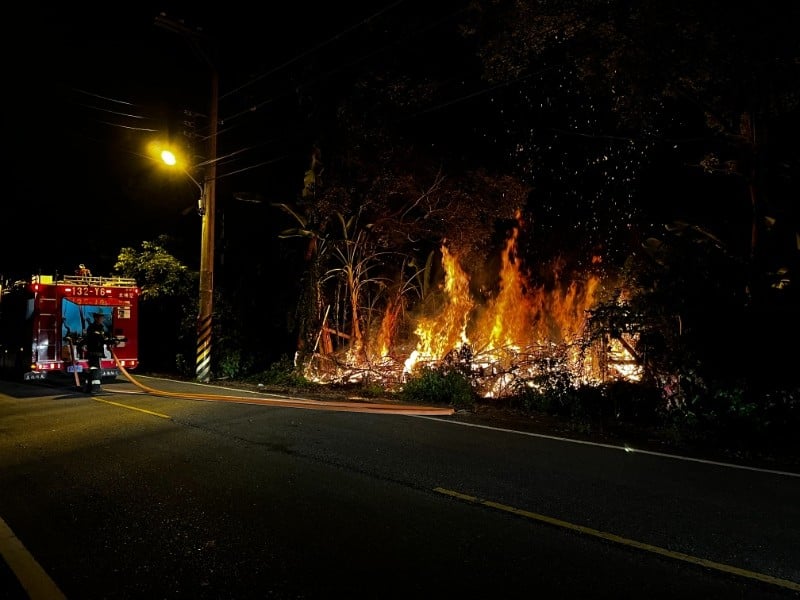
519,320
448,329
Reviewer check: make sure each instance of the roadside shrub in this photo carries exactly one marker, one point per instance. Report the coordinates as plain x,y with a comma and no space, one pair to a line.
372,390
623,401
630,402
549,391
738,416
782,409
182,366
530,399
234,364
438,386
585,404
281,373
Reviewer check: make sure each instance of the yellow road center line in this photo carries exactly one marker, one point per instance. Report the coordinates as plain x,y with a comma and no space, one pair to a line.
784,583
144,410
29,573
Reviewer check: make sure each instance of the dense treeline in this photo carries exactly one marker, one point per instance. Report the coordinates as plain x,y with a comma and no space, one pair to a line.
650,145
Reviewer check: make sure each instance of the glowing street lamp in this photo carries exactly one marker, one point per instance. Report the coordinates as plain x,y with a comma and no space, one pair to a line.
171,160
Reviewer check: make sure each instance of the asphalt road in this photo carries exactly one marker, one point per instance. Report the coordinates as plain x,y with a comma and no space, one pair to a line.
134,495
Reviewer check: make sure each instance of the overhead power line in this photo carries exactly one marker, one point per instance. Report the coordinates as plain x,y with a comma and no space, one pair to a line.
311,50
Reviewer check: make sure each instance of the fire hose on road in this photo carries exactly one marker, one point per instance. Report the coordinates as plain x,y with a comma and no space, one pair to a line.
288,402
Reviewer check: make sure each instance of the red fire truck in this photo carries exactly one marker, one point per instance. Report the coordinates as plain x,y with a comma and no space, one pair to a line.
42,321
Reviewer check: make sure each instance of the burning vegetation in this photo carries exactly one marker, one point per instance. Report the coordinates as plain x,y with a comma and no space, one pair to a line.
515,336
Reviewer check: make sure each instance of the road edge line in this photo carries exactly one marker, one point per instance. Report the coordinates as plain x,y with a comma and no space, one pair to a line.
33,578
784,583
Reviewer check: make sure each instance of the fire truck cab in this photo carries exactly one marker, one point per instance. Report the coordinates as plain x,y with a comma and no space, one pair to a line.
43,320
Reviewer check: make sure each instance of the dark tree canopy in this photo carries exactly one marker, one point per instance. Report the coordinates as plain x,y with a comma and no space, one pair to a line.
612,108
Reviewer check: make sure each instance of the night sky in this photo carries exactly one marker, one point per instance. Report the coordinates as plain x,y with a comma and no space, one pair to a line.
91,87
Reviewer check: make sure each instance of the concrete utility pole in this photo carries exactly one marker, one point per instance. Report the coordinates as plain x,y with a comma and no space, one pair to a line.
199,43
206,308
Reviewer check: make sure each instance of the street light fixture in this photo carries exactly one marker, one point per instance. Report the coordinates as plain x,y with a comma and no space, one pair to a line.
170,159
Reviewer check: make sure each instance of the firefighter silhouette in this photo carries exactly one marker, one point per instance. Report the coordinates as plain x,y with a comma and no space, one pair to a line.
95,342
